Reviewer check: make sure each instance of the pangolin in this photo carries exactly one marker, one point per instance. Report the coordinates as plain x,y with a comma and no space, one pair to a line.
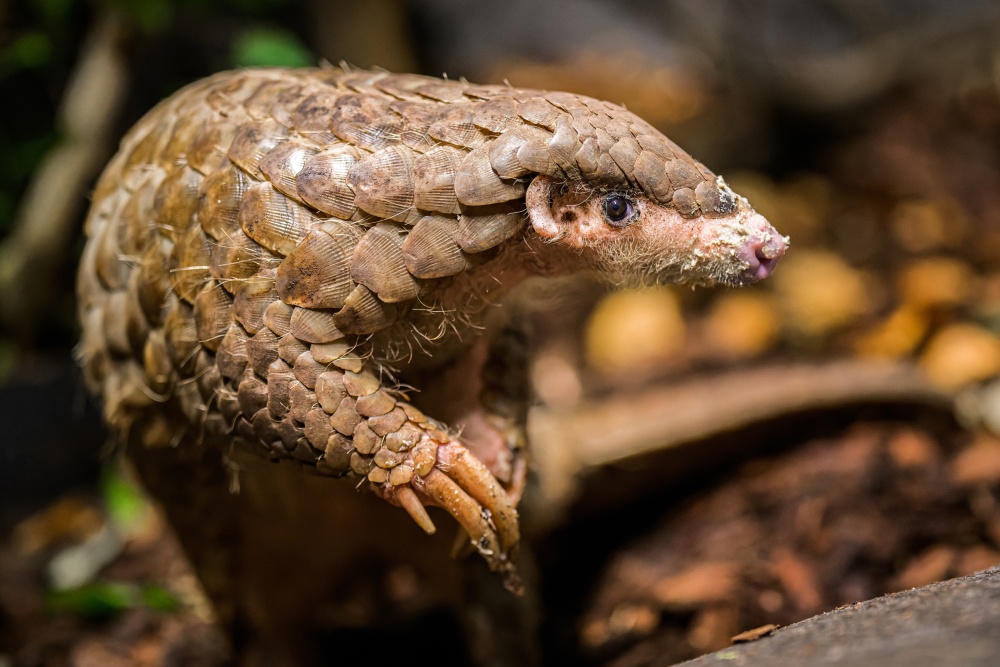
273,252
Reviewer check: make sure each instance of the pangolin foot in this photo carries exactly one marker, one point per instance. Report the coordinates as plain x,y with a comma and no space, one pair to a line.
440,471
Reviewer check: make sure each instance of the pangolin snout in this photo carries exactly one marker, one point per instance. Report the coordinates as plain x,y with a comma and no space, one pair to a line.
761,254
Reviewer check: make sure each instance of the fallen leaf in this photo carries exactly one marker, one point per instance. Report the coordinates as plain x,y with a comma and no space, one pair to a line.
742,324
819,292
930,566
977,464
756,633
960,354
699,585
630,330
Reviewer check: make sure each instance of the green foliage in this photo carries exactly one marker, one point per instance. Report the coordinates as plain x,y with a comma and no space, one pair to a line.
53,11
28,51
105,599
125,503
159,598
269,47
150,15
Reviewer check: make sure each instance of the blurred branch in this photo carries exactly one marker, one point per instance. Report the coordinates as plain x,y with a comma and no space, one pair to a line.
43,230
568,443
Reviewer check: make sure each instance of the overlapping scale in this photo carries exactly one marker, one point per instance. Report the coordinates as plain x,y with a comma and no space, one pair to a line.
430,249
317,273
256,231
322,182
477,184
284,163
220,196
434,179
383,182
378,263
253,141
213,313
364,313
273,220
479,232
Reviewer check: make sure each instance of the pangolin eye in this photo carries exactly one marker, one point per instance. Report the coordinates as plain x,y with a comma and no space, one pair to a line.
618,210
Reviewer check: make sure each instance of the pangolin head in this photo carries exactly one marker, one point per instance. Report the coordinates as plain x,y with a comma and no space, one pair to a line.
639,209
627,236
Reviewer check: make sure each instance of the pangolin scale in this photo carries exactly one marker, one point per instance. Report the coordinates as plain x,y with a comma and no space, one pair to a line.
271,250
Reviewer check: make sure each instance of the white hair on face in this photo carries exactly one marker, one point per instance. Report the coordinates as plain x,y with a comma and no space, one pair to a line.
637,260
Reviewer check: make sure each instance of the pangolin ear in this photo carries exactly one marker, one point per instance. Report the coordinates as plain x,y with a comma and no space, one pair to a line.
539,202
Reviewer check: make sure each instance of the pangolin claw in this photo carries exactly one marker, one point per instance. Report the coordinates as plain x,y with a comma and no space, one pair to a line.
444,492
476,479
461,485
408,500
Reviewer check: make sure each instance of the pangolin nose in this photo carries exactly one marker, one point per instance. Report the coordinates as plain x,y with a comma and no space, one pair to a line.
762,255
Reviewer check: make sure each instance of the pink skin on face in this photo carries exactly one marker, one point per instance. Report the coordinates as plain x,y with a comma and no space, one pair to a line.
762,250
655,243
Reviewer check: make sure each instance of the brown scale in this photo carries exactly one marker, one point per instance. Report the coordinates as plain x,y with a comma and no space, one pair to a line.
377,263
231,356
434,179
363,313
476,184
315,326
431,249
278,317
282,165
479,231
212,313
266,241
317,273
301,401
251,297
383,183
273,220
307,370
176,199
454,125
189,263
236,258
322,182
291,348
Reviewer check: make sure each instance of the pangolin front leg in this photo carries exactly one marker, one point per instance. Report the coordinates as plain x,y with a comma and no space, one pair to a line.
422,464
409,459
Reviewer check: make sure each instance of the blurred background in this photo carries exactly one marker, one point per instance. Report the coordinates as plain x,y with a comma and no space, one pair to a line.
847,409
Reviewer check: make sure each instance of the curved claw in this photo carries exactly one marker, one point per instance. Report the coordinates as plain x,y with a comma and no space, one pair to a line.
470,474
443,491
463,486
408,501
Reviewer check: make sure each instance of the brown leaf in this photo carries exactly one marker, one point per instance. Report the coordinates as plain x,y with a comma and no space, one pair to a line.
702,584
756,633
